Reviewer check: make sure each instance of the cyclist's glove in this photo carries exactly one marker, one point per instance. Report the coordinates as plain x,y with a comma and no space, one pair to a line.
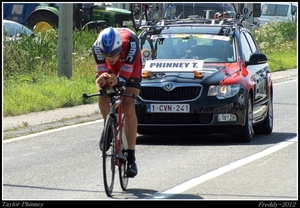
121,82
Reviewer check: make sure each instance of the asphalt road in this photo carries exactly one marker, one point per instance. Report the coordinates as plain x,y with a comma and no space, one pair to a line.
64,163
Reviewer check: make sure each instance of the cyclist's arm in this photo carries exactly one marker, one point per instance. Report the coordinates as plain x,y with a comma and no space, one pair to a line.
99,59
131,57
101,67
110,79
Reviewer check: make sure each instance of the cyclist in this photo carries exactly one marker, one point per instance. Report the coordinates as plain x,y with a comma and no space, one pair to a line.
118,62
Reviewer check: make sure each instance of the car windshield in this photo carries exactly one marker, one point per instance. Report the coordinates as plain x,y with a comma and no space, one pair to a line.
275,10
210,48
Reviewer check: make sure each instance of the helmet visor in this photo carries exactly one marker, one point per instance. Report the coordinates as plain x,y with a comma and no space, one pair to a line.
113,54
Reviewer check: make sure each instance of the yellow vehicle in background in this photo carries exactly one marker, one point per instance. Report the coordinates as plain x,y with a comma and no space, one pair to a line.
46,15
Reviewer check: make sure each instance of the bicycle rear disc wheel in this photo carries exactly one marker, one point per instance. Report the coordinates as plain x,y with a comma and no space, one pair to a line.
123,167
109,157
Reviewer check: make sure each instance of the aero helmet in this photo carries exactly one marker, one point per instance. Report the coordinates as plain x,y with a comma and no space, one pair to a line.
110,42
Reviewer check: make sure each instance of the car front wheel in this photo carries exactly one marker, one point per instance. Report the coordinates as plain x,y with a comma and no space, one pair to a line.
266,127
246,132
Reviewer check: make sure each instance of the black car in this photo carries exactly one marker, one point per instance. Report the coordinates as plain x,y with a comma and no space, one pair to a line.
204,76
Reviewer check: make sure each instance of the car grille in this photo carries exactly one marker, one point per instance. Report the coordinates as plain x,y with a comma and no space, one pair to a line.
177,94
175,118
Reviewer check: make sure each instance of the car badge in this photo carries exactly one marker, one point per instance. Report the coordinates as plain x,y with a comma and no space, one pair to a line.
168,87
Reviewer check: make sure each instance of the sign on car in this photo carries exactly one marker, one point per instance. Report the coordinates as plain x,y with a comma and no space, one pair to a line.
160,65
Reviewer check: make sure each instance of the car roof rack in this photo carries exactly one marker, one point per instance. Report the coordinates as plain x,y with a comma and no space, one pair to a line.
156,25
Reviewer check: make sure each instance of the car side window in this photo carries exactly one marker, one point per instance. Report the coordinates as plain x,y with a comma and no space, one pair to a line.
246,51
251,42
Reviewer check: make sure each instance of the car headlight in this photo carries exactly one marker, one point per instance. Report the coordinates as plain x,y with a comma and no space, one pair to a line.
223,91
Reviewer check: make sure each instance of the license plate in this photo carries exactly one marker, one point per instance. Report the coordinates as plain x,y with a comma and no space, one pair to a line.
168,108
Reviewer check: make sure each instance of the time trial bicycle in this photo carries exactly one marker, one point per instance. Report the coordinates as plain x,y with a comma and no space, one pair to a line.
115,155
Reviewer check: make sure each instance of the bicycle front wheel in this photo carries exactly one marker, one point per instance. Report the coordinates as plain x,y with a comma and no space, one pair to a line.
109,156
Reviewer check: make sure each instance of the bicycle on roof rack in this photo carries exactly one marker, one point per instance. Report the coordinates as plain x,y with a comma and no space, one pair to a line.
145,16
142,13
116,155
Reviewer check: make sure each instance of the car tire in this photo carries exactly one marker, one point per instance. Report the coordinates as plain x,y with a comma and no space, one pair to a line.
266,127
246,132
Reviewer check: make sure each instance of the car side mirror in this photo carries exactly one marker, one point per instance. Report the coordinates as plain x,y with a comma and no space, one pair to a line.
257,58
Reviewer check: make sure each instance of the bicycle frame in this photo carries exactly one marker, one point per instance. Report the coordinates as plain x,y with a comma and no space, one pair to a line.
115,103
118,158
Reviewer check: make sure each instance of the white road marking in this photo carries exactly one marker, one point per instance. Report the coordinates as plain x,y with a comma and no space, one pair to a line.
203,178
50,131
278,83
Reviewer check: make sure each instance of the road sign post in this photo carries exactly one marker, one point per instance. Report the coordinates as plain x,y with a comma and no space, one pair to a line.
65,45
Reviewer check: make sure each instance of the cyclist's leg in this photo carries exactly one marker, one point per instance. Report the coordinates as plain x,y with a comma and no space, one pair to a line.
103,103
130,127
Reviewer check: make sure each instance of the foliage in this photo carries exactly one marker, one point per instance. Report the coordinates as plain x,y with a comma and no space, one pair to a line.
278,40
30,67
274,35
